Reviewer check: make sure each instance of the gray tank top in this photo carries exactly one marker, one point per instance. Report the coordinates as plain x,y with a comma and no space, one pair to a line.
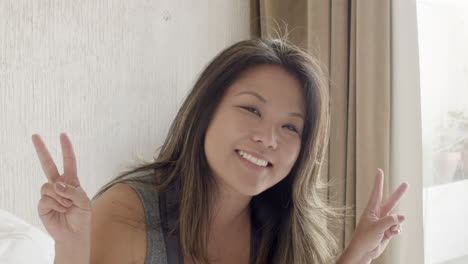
163,247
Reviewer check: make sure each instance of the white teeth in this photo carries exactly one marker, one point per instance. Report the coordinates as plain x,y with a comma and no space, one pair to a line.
254,160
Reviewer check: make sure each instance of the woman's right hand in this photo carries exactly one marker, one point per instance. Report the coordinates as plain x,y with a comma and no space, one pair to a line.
66,214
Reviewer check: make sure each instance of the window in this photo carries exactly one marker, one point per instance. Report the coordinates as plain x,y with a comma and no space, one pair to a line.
443,55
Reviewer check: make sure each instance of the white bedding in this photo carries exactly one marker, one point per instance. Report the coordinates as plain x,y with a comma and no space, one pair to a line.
22,243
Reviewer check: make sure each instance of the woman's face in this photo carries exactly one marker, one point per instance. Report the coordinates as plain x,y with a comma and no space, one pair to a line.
261,115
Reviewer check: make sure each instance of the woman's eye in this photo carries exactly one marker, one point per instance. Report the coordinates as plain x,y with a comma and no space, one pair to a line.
251,109
255,111
292,128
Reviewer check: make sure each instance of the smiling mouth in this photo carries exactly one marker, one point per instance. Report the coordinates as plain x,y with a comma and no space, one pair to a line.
269,164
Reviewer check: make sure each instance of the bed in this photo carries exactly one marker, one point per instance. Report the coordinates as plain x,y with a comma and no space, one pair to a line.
20,242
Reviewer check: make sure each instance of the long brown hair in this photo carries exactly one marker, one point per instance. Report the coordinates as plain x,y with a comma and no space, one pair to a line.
290,218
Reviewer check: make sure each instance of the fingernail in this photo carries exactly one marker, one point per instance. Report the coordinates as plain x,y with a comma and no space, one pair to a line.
60,186
401,218
66,202
396,228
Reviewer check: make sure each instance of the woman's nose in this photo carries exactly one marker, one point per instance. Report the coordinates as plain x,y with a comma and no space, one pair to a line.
267,135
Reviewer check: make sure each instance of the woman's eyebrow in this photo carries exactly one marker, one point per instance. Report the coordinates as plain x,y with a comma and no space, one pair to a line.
259,97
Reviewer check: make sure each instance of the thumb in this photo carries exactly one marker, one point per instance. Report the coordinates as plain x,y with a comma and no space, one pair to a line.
390,220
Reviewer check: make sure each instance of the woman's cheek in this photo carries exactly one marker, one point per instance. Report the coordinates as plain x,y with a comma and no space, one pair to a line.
244,123
294,147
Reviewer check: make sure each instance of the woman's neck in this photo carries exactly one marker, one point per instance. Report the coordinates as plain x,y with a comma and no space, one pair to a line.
230,229
230,209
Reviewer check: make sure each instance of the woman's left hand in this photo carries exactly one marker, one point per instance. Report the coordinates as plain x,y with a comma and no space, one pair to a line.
376,227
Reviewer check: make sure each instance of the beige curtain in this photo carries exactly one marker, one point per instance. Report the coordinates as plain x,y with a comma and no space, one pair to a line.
352,39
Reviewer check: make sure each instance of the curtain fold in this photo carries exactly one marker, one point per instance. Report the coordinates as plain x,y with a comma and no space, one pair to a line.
407,146
352,40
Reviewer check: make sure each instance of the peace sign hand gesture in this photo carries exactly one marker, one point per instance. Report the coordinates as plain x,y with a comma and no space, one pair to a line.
65,212
376,227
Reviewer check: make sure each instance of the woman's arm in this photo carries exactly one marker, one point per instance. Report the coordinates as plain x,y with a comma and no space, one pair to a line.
73,252
109,230
376,226
351,256
64,207
117,234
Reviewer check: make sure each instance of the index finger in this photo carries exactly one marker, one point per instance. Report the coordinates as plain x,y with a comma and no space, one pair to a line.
47,163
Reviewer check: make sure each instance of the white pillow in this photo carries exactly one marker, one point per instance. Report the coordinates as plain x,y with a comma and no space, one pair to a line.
22,243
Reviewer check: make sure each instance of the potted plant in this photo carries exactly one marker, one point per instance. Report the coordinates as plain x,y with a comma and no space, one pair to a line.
451,137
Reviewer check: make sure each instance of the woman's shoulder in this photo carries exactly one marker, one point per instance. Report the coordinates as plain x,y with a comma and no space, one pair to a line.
127,222
118,232
121,200
129,200
124,197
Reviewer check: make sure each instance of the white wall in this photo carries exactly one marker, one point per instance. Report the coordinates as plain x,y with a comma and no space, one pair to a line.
109,73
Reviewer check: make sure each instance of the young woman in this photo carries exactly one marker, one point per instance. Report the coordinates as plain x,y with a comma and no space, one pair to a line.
236,180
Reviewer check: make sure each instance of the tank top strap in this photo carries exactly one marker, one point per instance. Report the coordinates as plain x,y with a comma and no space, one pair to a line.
156,250
168,202
161,214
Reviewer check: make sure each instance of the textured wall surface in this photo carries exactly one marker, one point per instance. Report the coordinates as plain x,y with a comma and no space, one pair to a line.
111,74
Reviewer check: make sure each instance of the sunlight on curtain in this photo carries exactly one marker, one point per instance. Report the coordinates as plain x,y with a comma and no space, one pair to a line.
443,52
